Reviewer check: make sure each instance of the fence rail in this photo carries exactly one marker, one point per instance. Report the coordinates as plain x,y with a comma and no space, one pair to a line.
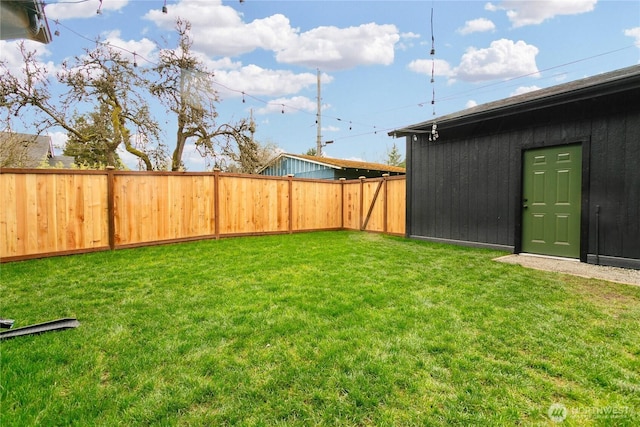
56,212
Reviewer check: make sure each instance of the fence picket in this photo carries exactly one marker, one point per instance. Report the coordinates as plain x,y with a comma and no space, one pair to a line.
55,212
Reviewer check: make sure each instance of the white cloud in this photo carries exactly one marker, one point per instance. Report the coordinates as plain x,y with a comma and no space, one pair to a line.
409,35
471,103
192,159
144,49
225,63
423,66
220,30
258,81
330,129
271,33
406,40
491,7
522,13
561,77
289,105
59,140
130,160
69,10
524,89
332,48
476,26
635,33
501,60
13,58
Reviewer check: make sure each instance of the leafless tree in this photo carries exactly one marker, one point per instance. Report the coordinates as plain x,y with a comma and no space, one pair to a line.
252,157
186,88
101,80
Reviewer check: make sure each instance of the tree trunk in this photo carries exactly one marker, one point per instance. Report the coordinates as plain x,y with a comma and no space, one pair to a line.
176,161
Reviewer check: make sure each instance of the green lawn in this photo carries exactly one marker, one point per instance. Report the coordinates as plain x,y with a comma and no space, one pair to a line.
331,328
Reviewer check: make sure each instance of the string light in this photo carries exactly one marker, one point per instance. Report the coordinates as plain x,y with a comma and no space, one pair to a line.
433,134
433,40
433,65
244,94
164,7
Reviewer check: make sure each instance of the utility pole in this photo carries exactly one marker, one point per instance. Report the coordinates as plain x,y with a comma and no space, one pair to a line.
318,121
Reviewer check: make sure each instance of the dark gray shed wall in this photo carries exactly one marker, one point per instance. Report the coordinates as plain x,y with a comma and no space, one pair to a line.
466,186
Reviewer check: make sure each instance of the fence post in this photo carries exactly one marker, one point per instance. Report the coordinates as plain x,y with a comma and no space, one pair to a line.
111,214
290,179
342,181
216,202
385,177
362,178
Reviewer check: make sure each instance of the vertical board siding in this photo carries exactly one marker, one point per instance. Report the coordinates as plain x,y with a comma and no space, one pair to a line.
9,237
631,242
351,203
354,204
396,206
265,211
49,212
155,208
615,186
316,205
466,187
393,200
375,208
299,168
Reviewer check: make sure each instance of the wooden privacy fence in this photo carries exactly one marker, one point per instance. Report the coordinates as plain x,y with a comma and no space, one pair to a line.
58,212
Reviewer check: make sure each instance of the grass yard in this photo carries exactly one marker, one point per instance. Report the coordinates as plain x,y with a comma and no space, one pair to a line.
330,328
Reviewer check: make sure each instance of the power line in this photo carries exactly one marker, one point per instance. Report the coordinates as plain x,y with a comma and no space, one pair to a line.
374,129
66,2
243,93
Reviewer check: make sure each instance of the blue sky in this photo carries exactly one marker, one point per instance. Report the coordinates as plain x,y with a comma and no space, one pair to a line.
374,57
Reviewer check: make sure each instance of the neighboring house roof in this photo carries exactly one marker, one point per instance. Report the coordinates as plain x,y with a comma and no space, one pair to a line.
24,19
339,164
583,89
30,151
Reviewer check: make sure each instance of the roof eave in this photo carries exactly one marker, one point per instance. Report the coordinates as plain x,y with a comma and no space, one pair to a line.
24,19
521,104
293,156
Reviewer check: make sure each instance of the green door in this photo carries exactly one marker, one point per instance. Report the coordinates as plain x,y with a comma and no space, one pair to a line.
552,181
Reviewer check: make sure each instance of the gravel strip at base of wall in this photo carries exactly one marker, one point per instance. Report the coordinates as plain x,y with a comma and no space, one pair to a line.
560,265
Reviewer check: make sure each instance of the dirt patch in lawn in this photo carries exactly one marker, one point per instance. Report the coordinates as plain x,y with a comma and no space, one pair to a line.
574,267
